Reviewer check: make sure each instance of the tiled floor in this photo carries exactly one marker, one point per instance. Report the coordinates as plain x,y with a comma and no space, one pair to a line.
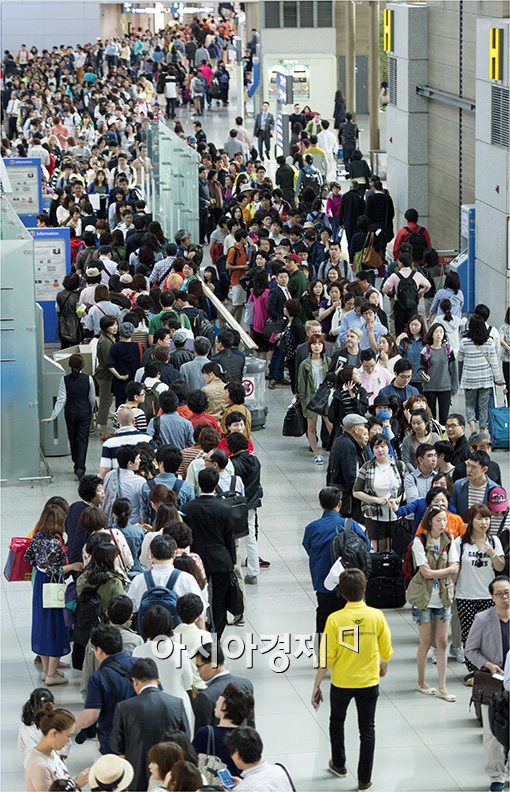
422,744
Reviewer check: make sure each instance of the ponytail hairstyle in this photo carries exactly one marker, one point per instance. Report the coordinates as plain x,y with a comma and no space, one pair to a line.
51,717
38,698
122,511
446,308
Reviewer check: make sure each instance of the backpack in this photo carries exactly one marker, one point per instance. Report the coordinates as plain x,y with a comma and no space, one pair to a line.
408,565
417,241
407,292
351,549
150,405
88,614
201,326
427,354
311,180
159,595
498,717
238,507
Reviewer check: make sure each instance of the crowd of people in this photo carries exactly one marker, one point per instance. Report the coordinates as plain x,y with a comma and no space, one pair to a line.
162,545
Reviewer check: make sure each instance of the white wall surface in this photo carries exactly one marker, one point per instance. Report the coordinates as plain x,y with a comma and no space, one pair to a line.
45,24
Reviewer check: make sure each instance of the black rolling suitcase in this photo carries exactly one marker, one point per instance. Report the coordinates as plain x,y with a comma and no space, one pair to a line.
386,586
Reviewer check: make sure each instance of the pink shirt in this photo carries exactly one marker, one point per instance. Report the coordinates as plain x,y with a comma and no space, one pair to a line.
391,285
379,378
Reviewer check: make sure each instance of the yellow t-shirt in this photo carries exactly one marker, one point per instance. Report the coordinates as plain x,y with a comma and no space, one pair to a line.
354,642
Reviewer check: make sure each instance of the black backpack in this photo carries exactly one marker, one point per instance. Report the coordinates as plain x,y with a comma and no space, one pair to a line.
417,241
311,180
407,292
201,326
238,507
88,614
498,717
351,549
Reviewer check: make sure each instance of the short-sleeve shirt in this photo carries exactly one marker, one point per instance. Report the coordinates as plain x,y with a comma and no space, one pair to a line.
476,570
420,557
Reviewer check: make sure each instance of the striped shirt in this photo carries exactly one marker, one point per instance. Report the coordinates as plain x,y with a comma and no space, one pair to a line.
140,417
126,435
476,494
269,777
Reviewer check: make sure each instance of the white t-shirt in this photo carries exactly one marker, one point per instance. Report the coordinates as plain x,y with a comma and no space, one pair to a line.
473,581
185,583
420,557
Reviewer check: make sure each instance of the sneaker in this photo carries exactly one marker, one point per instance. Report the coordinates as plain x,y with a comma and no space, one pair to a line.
56,679
341,772
238,621
457,654
365,786
264,564
271,384
252,580
497,786
433,657
318,460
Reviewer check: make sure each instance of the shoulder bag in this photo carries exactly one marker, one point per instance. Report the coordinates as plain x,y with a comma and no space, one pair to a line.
209,763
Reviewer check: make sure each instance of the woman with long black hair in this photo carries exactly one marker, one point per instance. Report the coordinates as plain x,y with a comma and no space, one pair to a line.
479,372
77,397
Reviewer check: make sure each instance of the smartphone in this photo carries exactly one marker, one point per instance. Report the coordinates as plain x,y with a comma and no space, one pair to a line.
226,778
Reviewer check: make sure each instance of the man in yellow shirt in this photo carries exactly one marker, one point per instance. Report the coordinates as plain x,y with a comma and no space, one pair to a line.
356,645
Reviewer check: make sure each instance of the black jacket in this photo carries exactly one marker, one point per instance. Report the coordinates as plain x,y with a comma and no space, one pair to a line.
275,303
213,532
231,363
345,459
380,211
460,451
203,705
141,722
351,208
247,467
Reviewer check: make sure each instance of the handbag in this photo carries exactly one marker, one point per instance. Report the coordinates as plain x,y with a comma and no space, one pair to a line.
249,311
294,424
54,595
209,763
370,258
234,599
319,403
484,687
273,327
16,568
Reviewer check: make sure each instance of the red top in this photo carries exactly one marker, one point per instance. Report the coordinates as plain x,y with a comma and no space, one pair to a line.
403,236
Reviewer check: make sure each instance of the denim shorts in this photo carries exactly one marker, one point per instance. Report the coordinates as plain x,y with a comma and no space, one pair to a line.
427,615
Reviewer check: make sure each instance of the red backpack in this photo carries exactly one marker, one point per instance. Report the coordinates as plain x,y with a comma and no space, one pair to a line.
408,565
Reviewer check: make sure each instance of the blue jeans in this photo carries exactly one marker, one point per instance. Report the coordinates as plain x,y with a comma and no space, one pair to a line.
276,367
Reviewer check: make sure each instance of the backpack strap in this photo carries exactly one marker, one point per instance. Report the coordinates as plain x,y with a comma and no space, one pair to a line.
279,764
177,486
232,490
172,580
149,580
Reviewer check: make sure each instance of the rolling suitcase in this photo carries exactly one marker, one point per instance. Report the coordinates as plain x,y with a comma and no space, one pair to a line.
386,586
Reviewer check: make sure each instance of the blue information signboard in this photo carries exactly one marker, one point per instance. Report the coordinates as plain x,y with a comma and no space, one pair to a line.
26,181
52,258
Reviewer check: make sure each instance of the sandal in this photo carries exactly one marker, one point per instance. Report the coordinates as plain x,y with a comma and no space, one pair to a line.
426,691
446,696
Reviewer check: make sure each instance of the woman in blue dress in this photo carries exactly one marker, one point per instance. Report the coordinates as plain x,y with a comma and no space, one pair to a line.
47,554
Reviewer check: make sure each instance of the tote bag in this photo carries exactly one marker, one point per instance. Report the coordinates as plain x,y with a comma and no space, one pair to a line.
54,594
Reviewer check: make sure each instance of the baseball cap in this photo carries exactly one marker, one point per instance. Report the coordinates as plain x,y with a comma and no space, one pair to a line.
126,329
350,421
294,257
497,500
179,337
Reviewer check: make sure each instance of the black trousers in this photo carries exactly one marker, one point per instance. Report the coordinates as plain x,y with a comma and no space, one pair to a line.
402,317
264,139
443,399
220,582
327,603
170,108
366,703
78,431
203,224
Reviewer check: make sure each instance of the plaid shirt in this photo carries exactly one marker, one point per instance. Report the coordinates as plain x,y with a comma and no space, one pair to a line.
365,483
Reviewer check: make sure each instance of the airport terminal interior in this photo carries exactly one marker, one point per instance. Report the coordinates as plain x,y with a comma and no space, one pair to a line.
422,742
